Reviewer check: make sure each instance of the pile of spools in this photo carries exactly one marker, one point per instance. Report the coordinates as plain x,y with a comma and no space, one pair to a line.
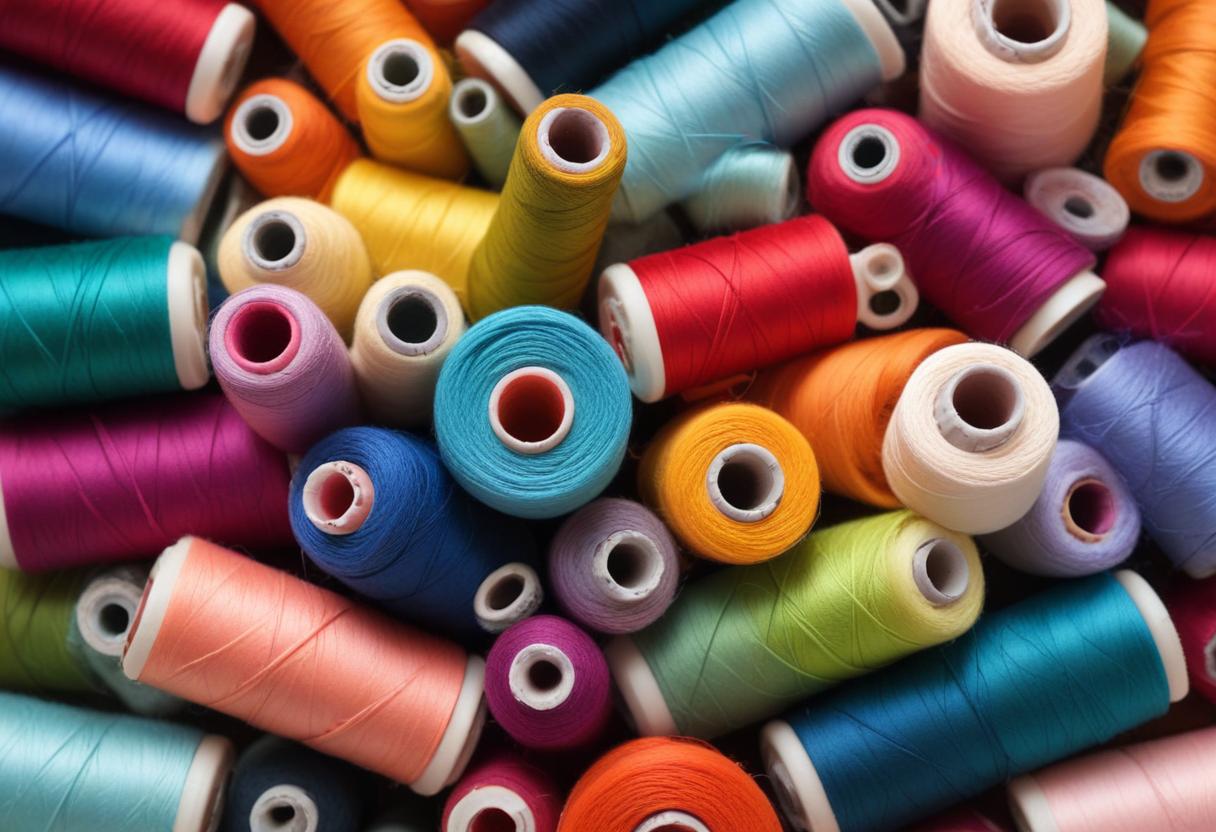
607,416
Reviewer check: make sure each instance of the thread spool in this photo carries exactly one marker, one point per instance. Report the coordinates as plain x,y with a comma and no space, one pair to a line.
415,720
92,321
445,19
286,142
102,167
681,319
523,374
613,566
402,94
39,654
407,324
1191,607
1163,159
734,482
692,788
1124,45
686,104
971,438
503,792
1018,83
302,245
1084,521
487,126
61,765
993,264
1158,287
541,246
1023,688
283,366
743,644
1084,205
376,509
749,185
1156,784
119,482
1149,413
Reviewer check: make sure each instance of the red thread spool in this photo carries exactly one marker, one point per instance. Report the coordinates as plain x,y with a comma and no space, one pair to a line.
1193,608
445,19
682,319
1162,285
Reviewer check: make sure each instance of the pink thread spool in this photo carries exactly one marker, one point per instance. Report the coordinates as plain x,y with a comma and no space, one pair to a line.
503,794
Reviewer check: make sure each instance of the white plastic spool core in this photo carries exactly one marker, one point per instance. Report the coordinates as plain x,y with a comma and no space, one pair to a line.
868,154
1086,206
509,594
886,296
1171,175
412,320
284,808
106,609
220,63
531,410
338,497
262,337
275,240
1022,31
491,809
1161,626
202,800
261,124
483,57
645,706
671,821
1065,307
472,101
186,278
980,408
940,571
573,140
1090,510
627,324
628,566
541,676
460,739
400,70
1029,807
799,790
745,482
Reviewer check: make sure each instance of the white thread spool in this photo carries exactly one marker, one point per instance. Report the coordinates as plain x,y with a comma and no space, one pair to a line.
1171,175
628,566
220,64
488,127
284,808
509,594
1084,205
531,410
202,800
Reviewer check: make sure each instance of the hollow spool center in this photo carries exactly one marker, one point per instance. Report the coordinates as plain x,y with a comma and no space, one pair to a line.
941,572
262,337
745,482
629,564
573,140
1090,510
531,410
541,676
980,408
338,497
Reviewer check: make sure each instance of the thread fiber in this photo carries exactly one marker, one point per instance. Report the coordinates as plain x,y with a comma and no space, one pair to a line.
749,185
444,19
487,126
37,653
528,785
1193,611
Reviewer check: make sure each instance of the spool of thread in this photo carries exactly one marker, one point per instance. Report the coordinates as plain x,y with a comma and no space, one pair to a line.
1018,82
121,482
37,650
1024,688
841,400
283,366
1084,521
293,659
541,246
681,319
91,321
1125,41
487,126
101,167
503,792
1154,419
279,786
745,643
971,438
993,264
77,770
403,93
1159,286
1152,785
187,57
734,482
749,185
445,19
689,787
1194,612
613,566
696,98
407,324
334,39
1086,206
376,509
505,412
305,246
1163,159
547,685
286,142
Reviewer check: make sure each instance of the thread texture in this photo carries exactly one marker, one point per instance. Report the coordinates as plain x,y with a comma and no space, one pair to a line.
749,185
505,770
444,19
1194,613
36,649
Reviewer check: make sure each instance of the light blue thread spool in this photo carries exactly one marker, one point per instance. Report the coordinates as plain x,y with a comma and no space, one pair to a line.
749,185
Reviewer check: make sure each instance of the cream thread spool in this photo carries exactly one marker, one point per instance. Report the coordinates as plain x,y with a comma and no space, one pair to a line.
220,64
284,808
1086,206
488,127
509,594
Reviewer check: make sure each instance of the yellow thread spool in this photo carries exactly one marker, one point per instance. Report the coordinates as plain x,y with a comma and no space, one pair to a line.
542,245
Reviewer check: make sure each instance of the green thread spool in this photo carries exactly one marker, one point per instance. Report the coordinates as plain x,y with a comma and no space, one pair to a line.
100,320
488,127
1124,43
745,643
37,616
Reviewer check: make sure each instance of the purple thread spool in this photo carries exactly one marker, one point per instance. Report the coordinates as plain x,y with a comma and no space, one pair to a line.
613,566
283,366
1084,521
547,684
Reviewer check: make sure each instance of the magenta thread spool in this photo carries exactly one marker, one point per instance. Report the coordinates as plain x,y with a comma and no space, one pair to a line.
502,793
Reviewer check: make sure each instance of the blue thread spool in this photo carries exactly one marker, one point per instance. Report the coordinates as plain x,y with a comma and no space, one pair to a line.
532,412
1053,675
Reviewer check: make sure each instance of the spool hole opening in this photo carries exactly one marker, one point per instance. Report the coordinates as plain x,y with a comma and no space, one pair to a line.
1079,207
544,675
631,565
336,496
261,123
473,102
492,820
885,303
1025,21
412,320
274,240
577,136
985,399
744,484
1091,505
505,592
1172,167
869,152
945,568
263,332
531,408
282,814
400,68
115,619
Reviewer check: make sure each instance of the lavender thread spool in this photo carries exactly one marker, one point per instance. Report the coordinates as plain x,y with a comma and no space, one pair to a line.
613,566
1084,521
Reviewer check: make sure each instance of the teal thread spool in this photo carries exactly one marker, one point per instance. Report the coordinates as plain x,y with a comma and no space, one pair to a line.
99,320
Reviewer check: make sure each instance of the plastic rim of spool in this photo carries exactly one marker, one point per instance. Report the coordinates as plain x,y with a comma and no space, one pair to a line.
272,232
800,791
509,594
1086,206
482,56
403,59
1029,807
540,695
1108,510
153,606
1055,19
265,814
461,93
879,271
251,137
338,497
644,702
186,289
940,571
528,384
763,472
980,408
1170,175
459,741
276,333
490,799
202,800
881,36
220,63
105,597
672,821
1161,626
640,574
580,133
868,154
627,323
425,301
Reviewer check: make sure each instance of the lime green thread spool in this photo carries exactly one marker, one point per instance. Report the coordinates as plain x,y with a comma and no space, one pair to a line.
37,651
744,643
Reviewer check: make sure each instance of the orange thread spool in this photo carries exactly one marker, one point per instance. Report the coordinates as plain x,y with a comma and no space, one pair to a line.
841,400
445,19
666,784
227,632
